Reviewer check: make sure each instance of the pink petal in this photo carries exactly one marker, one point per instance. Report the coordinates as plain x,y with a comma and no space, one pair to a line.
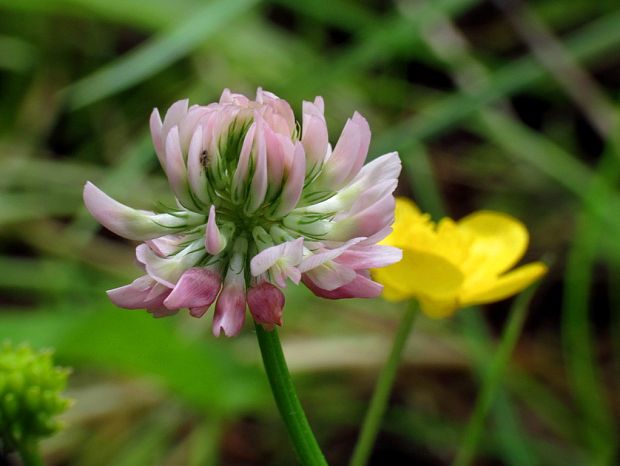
166,245
157,135
278,113
176,170
319,103
214,240
331,275
260,95
316,259
294,184
197,288
366,222
349,154
258,187
226,97
385,167
369,195
362,152
266,303
279,274
360,287
142,293
265,259
230,310
196,171
174,115
125,221
293,274
168,270
314,134
189,123
240,178
128,296
291,251
276,157
370,257
210,138
377,237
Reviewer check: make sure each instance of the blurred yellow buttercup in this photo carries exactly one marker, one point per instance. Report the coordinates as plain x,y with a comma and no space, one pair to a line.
450,265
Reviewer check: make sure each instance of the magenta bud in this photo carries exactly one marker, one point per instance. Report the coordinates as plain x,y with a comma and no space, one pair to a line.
266,302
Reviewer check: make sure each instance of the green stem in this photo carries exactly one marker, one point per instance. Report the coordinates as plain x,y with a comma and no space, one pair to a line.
292,412
380,397
29,452
491,382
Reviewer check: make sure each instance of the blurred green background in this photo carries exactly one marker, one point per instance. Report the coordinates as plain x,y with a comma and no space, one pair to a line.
506,105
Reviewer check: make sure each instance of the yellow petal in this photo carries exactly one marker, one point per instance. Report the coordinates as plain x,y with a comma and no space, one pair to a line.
405,207
393,294
407,217
420,274
438,309
504,286
498,241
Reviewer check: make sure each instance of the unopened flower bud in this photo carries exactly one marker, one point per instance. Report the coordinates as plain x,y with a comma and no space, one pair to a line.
266,303
30,395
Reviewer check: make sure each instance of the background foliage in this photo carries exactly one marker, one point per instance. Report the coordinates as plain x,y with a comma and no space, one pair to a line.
506,105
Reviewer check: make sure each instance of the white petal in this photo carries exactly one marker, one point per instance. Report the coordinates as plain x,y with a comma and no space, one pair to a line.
127,222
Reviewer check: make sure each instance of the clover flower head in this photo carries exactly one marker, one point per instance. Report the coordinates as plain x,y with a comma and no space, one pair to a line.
30,395
450,264
261,201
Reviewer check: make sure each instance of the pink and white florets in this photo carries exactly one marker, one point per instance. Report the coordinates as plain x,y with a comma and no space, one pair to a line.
260,201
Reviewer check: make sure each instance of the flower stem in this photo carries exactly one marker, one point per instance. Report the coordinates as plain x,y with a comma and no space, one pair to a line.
380,397
493,378
29,452
292,412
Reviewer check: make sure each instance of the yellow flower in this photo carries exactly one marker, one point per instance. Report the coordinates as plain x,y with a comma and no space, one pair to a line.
450,265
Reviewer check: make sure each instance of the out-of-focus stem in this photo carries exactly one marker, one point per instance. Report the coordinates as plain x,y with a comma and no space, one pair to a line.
380,397
29,453
473,431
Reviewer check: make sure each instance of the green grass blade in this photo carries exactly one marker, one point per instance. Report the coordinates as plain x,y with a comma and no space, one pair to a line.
550,159
599,431
513,445
156,54
587,45
421,178
148,15
492,378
